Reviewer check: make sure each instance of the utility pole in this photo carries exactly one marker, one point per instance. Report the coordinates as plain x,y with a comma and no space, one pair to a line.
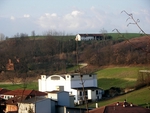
82,82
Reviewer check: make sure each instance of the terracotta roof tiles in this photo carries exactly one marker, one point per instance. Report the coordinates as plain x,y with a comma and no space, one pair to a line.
26,92
122,107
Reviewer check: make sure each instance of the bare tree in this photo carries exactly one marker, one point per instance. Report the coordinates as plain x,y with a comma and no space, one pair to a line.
134,21
104,32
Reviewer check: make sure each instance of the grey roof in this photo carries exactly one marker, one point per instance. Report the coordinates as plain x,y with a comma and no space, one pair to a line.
33,100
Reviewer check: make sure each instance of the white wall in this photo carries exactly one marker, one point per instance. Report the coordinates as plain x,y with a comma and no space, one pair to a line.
78,37
46,84
24,107
89,81
52,96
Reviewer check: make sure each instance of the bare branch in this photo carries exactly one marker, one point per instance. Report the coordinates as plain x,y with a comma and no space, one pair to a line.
134,21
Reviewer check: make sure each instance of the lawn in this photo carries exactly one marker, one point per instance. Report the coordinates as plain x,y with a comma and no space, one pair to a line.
139,97
117,77
124,35
32,85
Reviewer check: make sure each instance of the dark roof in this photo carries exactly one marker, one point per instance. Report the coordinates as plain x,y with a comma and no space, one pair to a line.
54,91
33,100
90,35
26,92
114,108
2,101
15,100
86,88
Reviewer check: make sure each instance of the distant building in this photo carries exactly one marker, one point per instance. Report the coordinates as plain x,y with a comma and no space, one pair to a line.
32,101
21,92
19,95
80,37
10,65
72,84
37,105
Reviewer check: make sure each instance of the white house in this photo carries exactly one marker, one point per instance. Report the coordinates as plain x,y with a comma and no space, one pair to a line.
62,97
80,37
37,105
72,84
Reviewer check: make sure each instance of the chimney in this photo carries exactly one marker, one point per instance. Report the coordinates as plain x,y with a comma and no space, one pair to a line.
131,105
117,104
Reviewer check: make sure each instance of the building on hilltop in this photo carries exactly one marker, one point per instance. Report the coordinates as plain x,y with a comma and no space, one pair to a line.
80,37
72,84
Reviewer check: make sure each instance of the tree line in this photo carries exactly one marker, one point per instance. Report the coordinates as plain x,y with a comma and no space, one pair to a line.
49,55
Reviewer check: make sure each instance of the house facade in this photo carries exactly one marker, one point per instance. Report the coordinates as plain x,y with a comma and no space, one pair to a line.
72,84
37,105
67,100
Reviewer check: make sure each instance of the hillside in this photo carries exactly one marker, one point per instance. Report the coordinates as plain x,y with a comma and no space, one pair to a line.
139,97
122,52
118,77
124,77
48,55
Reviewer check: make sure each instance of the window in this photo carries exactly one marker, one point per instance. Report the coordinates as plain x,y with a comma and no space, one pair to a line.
90,75
85,92
55,78
80,93
81,75
72,76
96,92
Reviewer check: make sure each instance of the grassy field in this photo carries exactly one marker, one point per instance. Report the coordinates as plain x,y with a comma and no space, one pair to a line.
72,37
139,97
117,77
33,85
124,35
62,38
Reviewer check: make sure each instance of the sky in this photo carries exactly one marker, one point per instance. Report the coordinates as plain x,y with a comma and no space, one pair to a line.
72,16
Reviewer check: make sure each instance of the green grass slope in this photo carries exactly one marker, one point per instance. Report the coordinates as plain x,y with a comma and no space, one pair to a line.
139,97
124,35
117,77
32,85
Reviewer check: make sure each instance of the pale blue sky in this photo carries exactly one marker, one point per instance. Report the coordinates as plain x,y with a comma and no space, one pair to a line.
71,16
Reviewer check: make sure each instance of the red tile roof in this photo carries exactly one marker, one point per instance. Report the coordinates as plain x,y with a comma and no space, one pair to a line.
2,90
26,92
114,108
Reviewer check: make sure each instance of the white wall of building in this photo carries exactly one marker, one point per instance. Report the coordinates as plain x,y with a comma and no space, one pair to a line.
41,106
52,96
50,83
79,37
